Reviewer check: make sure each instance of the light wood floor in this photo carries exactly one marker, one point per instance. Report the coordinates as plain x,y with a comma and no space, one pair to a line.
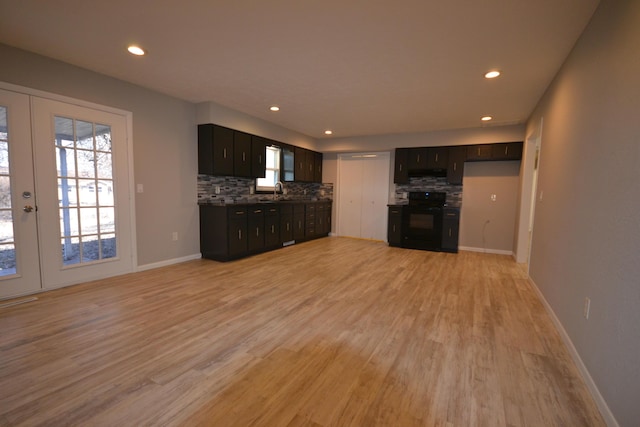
333,332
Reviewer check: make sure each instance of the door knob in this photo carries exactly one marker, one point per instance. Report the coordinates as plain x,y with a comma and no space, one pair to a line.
28,208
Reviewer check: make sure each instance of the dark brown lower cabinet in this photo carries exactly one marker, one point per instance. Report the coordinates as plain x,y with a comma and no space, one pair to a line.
223,232
272,227
394,226
450,229
235,231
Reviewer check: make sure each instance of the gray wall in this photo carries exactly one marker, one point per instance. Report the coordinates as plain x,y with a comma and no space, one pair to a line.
586,236
485,223
164,147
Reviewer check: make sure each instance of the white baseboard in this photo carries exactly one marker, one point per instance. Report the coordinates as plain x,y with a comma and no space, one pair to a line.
487,251
168,262
586,376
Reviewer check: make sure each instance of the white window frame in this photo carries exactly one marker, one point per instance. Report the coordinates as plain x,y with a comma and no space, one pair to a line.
262,184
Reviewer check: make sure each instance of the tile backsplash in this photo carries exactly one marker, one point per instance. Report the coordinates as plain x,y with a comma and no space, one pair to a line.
235,189
431,183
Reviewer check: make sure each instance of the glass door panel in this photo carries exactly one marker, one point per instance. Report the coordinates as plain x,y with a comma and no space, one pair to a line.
19,263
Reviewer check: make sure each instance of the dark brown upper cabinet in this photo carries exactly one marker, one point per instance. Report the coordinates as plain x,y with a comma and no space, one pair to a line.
241,154
215,150
418,158
508,151
437,157
317,167
455,164
258,156
479,152
401,169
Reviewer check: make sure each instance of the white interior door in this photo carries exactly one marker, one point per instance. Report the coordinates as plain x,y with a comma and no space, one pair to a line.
363,188
19,264
349,197
375,190
82,182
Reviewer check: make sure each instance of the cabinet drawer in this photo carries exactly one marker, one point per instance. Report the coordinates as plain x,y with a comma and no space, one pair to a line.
237,212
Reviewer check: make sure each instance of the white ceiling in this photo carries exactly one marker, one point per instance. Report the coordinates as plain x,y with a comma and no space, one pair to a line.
359,67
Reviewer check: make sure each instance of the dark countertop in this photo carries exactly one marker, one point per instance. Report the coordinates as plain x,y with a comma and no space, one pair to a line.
258,202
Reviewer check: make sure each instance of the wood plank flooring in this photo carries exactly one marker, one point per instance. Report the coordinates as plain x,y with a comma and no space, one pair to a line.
333,332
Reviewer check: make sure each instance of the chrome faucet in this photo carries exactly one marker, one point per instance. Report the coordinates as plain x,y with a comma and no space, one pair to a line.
275,189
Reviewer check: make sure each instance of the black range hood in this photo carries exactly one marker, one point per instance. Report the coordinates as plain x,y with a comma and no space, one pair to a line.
428,172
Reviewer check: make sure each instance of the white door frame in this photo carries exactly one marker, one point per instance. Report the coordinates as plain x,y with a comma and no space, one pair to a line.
128,117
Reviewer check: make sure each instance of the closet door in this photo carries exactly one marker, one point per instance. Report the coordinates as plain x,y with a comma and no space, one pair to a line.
375,190
350,196
363,188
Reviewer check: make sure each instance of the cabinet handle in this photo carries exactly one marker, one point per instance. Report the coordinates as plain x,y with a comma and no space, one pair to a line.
257,231
260,158
400,167
449,232
224,153
478,151
273,229
244,156
450,214
506,150
418,160
239,212
394,228
455,167
436,157
239,234
287,226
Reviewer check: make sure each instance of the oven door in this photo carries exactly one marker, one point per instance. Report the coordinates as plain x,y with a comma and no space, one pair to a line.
422,227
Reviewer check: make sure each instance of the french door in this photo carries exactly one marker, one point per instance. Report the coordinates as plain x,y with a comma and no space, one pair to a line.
65,216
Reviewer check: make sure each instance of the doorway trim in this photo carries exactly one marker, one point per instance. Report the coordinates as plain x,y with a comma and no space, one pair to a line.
128,116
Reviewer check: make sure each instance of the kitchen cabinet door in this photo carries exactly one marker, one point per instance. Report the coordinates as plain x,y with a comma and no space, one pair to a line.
401,170
437,158
300,156
287,163
418,158
507,151
394,227
450,229
237,238
271,231
286,227
241,154
258,156
215,150
479,152
455,167
317,167
255,238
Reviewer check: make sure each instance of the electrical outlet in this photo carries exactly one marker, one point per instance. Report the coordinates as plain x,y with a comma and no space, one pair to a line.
587,307
494,197
174,236
217,189
139,188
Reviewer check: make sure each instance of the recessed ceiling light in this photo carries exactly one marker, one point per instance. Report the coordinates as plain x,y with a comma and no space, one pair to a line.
136,50
486,118
328,132
492,74
274,108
